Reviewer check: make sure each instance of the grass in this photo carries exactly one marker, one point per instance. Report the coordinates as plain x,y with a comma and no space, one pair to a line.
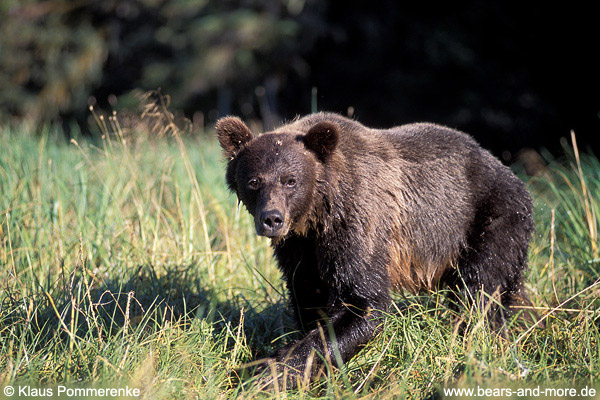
125,262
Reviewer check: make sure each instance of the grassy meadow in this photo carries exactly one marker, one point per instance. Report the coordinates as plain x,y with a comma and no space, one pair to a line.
126,262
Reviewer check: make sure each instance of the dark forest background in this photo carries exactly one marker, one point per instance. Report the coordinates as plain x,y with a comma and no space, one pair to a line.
513,74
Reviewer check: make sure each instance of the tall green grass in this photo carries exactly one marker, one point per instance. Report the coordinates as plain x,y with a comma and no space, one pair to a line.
125,261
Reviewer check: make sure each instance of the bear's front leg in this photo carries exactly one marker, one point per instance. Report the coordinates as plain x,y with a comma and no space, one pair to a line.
356,285
336,339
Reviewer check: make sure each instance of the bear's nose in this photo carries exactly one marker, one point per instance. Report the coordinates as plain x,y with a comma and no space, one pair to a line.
272,221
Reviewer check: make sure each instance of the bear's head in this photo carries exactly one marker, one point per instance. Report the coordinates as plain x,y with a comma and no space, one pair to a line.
275,174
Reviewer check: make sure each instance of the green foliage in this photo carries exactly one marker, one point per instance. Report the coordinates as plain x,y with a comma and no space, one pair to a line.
125,261
59,53
50,61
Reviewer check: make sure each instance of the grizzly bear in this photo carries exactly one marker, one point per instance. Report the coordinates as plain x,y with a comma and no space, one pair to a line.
355,212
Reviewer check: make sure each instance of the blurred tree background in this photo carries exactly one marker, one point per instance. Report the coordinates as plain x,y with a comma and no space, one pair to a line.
513,74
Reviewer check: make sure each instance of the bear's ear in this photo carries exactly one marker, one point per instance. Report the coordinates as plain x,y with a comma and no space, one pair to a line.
322,139
232,134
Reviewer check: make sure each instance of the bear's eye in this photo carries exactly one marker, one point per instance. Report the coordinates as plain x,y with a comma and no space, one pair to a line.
254,183
290,182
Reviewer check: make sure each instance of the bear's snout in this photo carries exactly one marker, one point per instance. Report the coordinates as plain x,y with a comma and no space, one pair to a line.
271,223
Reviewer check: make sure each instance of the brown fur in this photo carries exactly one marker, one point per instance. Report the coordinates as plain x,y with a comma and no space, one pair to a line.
368,211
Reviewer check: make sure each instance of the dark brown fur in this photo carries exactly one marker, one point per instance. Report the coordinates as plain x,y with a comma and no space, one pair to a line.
355,212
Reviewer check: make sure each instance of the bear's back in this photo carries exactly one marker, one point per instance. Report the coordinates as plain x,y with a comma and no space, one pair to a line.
417,142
